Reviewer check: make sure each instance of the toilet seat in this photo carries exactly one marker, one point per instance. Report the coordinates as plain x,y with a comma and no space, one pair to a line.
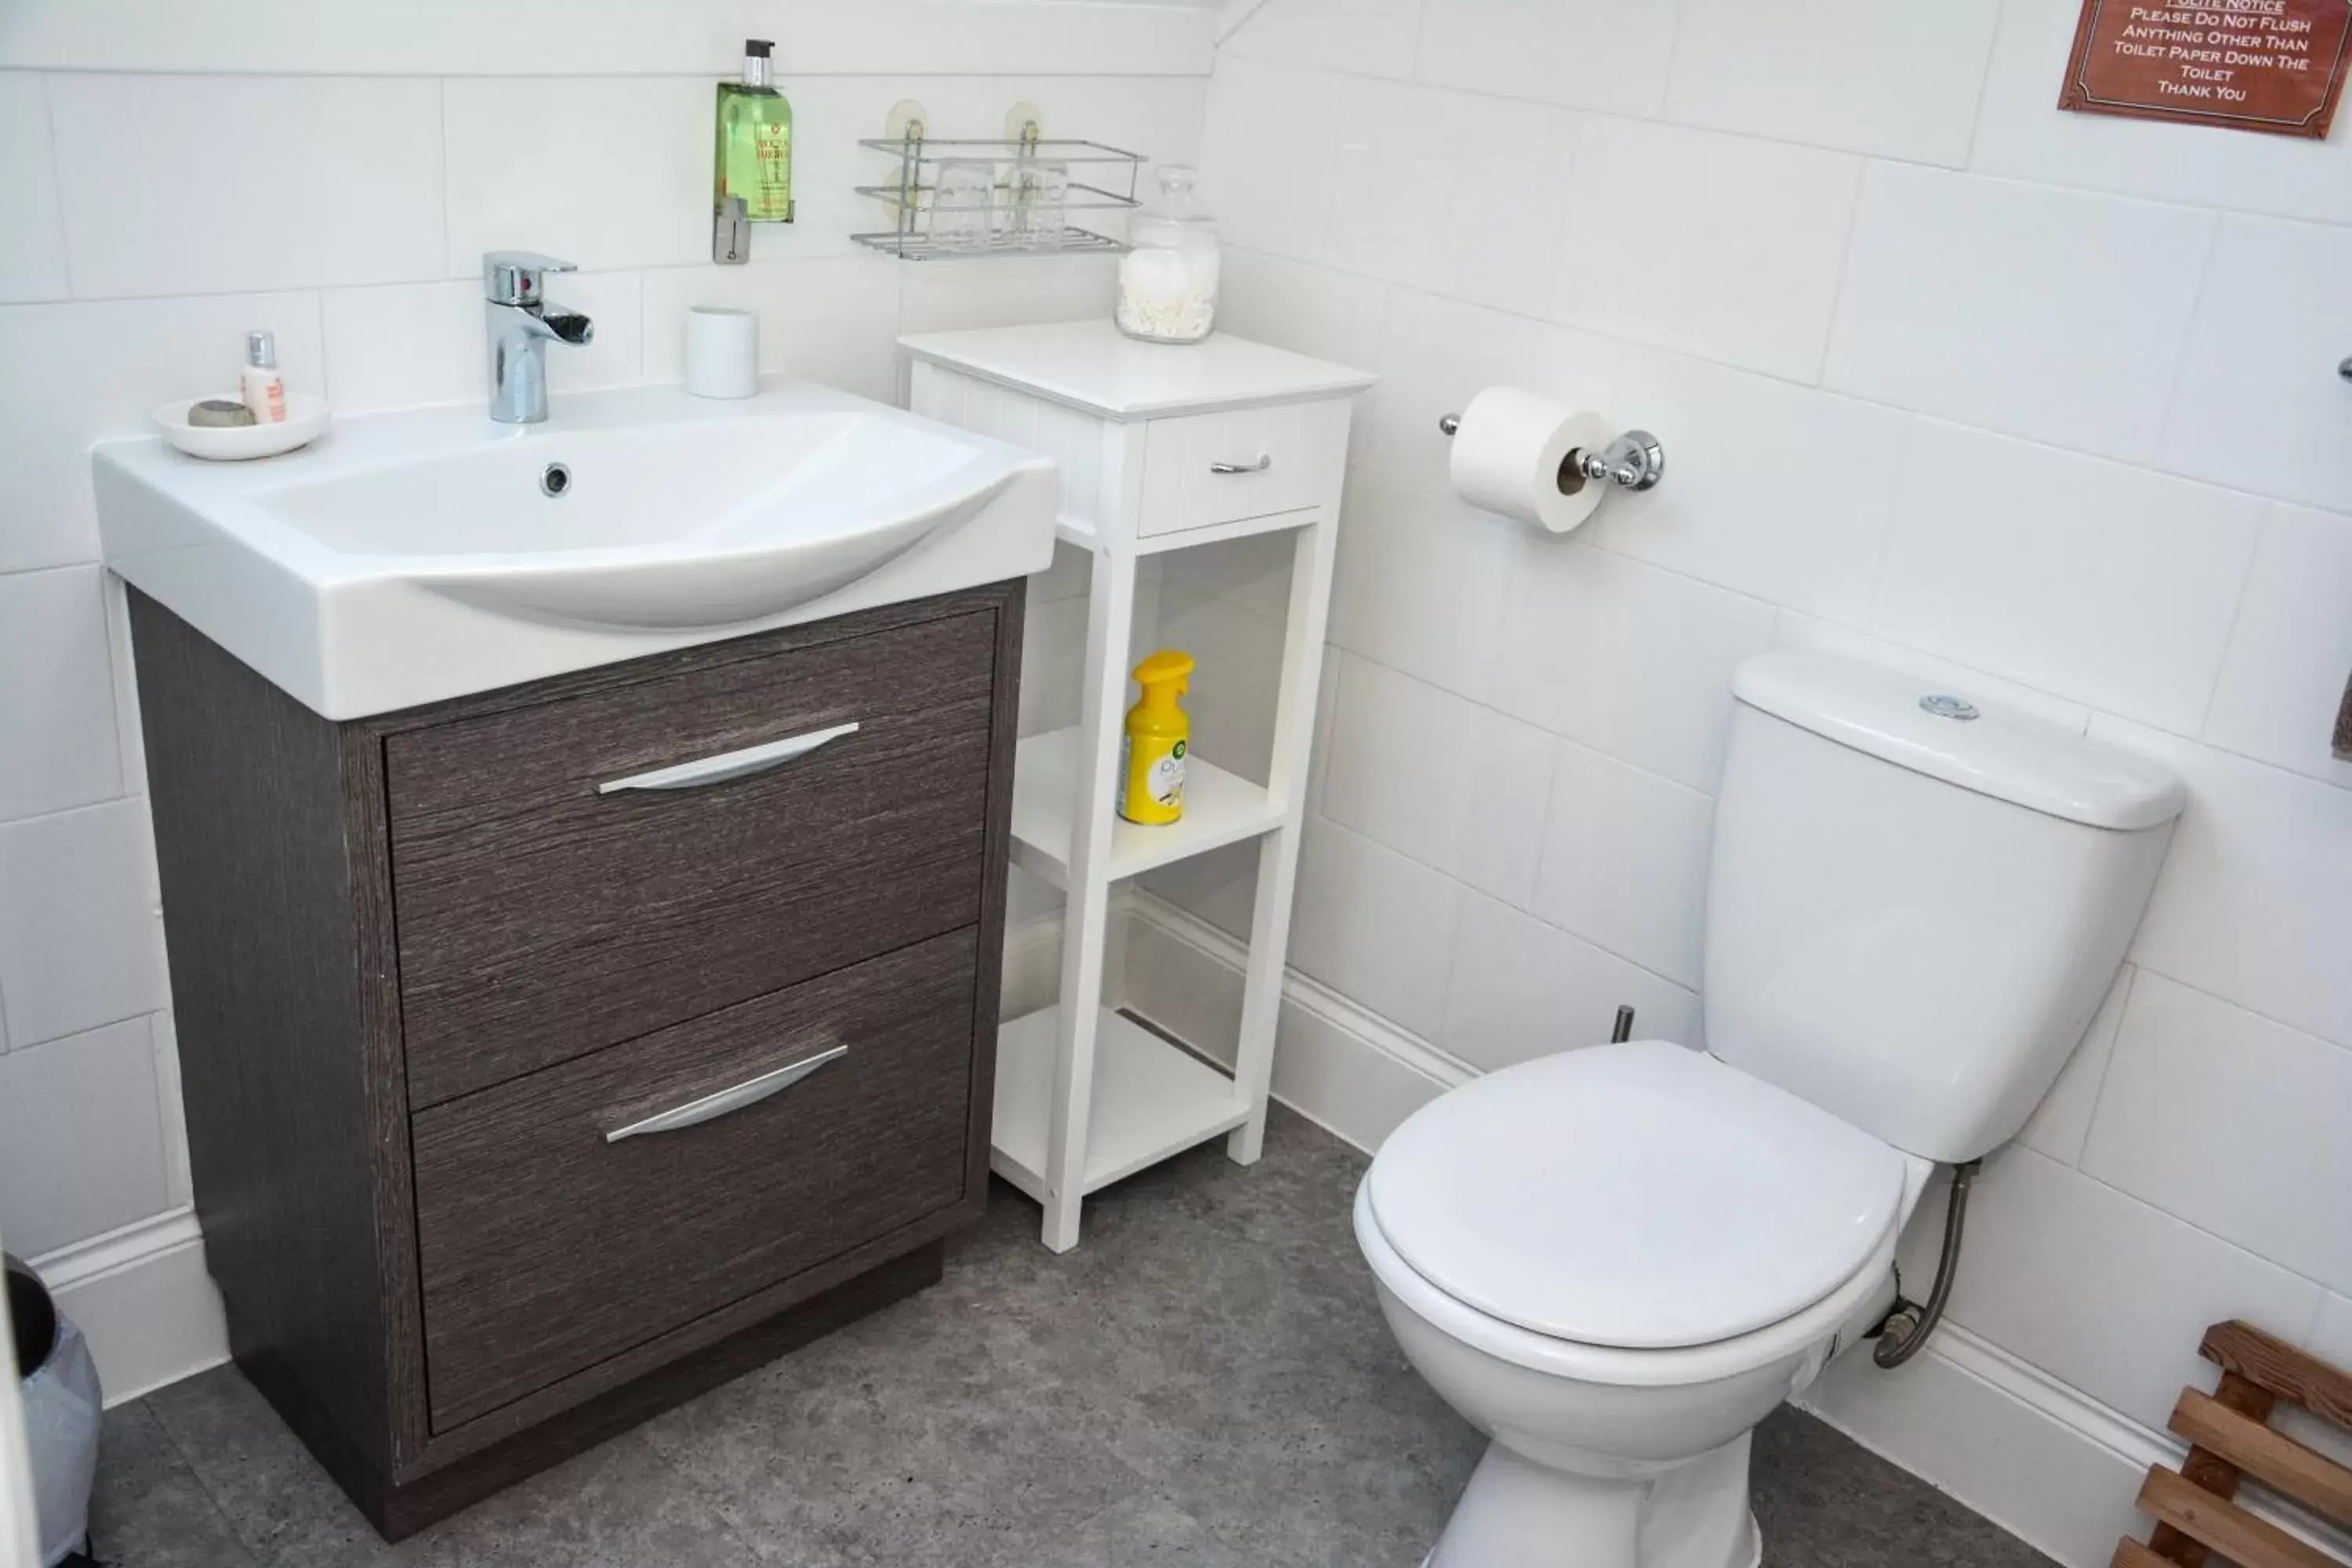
1638,1197
1809,1334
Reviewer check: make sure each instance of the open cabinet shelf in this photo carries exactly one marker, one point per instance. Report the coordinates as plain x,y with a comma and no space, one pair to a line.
1150,1099
1220,808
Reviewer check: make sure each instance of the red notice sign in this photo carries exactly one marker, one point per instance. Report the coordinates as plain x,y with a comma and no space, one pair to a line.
2257,64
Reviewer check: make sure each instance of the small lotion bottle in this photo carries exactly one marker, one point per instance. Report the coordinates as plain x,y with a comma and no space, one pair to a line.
259,386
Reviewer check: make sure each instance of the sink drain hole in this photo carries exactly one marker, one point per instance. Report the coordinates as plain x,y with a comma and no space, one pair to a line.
555,480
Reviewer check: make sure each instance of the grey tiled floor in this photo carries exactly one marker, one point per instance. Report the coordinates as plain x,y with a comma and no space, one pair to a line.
1206,1381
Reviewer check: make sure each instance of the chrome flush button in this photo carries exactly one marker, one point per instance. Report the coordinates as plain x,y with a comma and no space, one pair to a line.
1945,707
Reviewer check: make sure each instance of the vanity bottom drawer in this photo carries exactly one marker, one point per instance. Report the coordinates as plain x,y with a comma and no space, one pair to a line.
565,1216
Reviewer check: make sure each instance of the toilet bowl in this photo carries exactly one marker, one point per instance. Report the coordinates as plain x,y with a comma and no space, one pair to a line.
1615,1261
1489,1275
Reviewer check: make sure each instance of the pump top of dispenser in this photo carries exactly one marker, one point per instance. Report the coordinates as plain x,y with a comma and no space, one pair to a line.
1165,675
758,69
261,350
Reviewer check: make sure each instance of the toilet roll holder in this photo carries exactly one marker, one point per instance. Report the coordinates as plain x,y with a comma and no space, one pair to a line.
1635,461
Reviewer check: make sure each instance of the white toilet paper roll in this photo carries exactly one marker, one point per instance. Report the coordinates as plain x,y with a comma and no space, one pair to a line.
1511,456
722,351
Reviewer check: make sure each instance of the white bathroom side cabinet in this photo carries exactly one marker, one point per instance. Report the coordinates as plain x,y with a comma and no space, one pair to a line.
1159,448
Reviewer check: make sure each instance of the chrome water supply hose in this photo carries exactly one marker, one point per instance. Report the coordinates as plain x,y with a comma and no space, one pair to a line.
1906,1328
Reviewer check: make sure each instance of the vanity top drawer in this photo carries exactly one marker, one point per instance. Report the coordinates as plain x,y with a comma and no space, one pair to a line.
544,913
1203,470
546,1243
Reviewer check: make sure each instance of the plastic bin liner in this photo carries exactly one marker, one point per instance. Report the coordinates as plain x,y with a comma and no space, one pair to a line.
62,1403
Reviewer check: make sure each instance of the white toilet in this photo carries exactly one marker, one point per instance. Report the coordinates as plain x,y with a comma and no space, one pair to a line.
1616,1261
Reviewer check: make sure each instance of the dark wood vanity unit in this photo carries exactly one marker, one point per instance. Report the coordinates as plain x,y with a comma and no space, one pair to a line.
474,1043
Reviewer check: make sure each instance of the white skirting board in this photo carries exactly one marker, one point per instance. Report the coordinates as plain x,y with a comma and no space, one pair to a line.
144,1300
2051,1466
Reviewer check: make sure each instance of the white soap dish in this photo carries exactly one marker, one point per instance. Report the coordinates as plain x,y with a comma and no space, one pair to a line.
305,422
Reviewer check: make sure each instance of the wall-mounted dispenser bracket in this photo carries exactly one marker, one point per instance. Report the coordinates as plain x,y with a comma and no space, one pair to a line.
730,232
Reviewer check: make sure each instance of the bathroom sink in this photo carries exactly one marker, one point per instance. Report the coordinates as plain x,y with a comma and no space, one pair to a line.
696,523
409,557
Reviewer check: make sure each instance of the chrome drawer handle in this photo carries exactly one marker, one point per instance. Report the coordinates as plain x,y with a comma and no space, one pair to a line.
1264,461
731,765
710,1107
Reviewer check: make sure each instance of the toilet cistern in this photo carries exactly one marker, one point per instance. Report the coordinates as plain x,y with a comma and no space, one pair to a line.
519,324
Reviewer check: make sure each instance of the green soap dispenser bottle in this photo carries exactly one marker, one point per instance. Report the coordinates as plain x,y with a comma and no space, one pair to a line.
755,140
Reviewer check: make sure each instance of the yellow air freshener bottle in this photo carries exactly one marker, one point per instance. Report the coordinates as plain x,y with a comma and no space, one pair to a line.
1151,766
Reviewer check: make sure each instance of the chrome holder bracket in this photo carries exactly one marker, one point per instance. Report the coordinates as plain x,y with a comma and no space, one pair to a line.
1635,461
730,232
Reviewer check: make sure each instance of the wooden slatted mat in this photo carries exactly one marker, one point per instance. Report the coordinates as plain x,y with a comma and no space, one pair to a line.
2197,1519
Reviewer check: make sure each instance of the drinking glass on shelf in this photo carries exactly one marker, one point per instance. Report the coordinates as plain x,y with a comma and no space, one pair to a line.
1038,210
964,197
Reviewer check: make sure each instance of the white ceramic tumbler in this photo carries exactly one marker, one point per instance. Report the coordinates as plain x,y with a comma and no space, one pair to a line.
722,351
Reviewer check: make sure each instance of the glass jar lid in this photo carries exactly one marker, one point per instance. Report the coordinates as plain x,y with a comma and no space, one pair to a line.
1178,200
1174,217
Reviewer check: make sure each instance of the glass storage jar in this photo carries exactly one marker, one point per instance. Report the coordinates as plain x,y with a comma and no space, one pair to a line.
1167,282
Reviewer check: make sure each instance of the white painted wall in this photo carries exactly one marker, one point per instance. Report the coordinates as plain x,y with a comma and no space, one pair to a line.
2044,405
169,181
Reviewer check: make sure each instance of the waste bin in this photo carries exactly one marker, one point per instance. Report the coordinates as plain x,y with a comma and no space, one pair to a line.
62,1403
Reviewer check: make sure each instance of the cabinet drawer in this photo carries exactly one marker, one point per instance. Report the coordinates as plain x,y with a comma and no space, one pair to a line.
539,918
545,1246
1289,455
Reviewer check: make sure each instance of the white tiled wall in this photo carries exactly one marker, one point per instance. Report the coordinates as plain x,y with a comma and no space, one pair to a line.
133,166
2110,583
2041,405
1726,247
141,232
2054,315
1468,798
1813,71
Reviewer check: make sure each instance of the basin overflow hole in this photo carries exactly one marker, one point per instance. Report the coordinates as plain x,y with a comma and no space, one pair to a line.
555,480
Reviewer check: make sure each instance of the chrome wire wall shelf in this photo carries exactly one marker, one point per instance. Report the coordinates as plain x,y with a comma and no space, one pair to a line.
1102,179
921,246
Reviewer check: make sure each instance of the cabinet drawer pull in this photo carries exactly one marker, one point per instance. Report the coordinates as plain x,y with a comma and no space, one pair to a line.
731,765
710,1107
1264,461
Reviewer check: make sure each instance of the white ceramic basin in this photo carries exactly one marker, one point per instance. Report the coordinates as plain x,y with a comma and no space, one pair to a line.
409,557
